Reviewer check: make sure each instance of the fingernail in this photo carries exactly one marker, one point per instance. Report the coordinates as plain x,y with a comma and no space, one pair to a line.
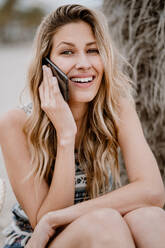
54,79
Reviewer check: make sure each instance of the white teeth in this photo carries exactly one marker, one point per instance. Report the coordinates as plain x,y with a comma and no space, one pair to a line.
82,80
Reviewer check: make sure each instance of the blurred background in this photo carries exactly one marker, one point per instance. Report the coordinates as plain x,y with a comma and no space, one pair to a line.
138,29
18,23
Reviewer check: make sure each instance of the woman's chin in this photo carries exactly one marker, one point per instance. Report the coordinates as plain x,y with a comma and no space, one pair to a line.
82,98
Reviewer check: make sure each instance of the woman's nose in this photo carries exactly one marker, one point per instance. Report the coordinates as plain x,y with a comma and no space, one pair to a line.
83,62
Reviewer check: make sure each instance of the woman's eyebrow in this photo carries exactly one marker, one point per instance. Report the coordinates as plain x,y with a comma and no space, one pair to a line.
65,43
73,45
91,43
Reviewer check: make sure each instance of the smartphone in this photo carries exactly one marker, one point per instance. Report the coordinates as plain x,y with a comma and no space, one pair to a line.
62,78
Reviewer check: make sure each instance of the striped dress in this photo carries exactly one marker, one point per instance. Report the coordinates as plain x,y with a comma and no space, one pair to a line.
19,231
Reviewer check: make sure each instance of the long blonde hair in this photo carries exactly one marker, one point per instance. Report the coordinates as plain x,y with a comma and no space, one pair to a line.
98,149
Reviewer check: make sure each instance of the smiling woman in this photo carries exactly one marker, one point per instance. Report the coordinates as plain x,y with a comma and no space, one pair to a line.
66,178
78,57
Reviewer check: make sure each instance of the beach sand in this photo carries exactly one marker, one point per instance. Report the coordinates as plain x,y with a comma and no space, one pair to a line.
13,70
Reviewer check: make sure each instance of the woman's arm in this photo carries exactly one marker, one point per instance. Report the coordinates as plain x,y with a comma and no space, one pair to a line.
145,187
43,231
61,191
62,188
17,160
60,194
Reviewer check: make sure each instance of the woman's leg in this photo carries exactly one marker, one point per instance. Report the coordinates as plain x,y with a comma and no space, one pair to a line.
147,226
100,228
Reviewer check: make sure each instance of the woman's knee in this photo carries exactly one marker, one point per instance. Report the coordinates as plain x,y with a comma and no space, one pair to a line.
143,217
103,217
98,228
110,224
104,220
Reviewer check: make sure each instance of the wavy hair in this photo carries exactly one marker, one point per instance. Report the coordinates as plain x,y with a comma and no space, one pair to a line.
98,149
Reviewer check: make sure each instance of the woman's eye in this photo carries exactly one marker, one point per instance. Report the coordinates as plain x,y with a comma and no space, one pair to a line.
67,52
93,51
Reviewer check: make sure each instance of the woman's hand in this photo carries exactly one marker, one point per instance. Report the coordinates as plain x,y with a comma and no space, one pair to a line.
46,227
54,105
43,231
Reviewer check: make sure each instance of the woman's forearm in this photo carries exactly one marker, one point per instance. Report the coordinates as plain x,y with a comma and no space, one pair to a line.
31,243
61,192
125,199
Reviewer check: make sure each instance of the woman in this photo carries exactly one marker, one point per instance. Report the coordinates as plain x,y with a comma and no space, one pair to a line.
82,136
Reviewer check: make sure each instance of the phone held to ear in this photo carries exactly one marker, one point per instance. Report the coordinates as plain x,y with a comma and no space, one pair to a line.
62,78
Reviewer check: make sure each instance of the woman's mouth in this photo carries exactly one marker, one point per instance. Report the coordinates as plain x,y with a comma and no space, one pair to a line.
82,81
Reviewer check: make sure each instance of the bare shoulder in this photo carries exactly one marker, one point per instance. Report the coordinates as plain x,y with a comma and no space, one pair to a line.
129,128
13,119
126,106
127,113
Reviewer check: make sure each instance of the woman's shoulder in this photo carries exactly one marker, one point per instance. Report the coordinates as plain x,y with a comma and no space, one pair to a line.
126,104
13,119
12,116
126,107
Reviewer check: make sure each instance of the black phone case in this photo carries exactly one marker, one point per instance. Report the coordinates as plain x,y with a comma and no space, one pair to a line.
62,78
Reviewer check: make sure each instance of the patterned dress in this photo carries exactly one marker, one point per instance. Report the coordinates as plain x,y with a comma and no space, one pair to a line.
19,231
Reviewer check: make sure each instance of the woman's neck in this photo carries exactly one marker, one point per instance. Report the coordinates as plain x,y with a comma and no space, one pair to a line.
78,111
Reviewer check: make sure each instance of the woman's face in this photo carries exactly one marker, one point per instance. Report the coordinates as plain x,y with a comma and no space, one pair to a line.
75,51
